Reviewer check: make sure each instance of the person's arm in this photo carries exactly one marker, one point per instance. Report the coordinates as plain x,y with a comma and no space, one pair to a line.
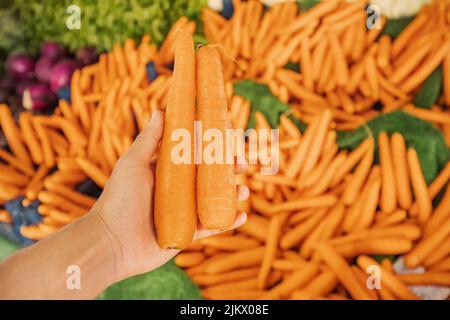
114,241
41,271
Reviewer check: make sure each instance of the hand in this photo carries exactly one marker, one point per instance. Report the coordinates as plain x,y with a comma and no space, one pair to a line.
125,208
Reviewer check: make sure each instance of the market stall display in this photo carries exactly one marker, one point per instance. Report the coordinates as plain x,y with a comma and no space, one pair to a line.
364,149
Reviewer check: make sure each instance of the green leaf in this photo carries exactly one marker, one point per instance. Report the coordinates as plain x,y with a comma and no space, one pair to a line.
6,248
307,4
430,91
419,134
262,100
164,283
292,66
395,26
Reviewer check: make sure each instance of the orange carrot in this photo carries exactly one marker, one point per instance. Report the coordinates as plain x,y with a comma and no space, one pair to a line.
216,190
388,187
49,157
426,246
357,181
419,186
447,79
401,171
189,259
29,136
342,271
13,135
428,279
241,259
389,280
176,221
394,246
92,171
226,277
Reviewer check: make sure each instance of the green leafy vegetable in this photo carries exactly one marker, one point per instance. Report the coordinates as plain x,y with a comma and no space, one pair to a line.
6,248
422,135
292,66
307,4
102,22
430,91
262,100
167,282
395,26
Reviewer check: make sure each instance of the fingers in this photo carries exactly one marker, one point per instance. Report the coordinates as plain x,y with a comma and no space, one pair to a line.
204,233
242,193
146,143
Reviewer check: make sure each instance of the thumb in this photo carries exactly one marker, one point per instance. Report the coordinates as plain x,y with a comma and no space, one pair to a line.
146,143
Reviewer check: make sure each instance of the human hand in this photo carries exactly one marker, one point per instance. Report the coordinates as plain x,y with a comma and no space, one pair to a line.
125,207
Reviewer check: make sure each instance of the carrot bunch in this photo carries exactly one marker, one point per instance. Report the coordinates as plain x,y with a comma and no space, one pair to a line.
111,102
313,227
344,67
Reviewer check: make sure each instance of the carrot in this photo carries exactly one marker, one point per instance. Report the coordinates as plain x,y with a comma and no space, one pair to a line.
222,278
29,136
383,219
438,254
92,171
216,190
325,200
428,278
231,243
68,193
353,158
298,159
342,271
176,221
256,227
8,192
427,245
5,217
361,276
388,187
296,280
247,284
371,199
426,68
357,181
404,38
300,231
49,157
318,145
13,135
322,285
401,171
16,163
394,246
189,259
241,259
409,232
384,52
276,223
340,63
10,176
389,280
419,186
240,295
444,265
32,232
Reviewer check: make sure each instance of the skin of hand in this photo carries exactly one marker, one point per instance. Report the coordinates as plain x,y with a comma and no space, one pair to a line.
115,240
126,206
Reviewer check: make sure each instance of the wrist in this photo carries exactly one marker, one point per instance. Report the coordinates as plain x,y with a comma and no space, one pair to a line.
108,246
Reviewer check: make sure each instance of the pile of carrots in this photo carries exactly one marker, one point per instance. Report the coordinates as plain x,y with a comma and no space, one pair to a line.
313,227
345,67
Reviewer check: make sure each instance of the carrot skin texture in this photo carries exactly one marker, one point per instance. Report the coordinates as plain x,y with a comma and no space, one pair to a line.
175,221
216,189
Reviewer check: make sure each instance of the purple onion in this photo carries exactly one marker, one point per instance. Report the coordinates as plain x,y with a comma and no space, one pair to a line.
20,66
86,55
8,84
53,50
44,68
22,85
61,74
38,96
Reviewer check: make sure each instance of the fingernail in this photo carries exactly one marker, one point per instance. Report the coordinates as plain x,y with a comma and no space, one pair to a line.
154,118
